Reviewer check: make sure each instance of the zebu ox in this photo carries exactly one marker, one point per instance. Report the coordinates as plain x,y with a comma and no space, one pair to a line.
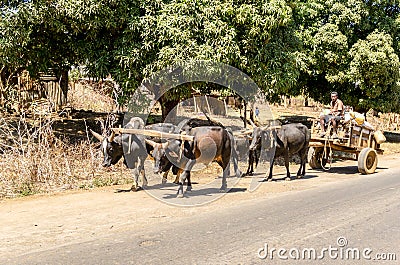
130,146
155,148
194,122
289,139
135,150
210,143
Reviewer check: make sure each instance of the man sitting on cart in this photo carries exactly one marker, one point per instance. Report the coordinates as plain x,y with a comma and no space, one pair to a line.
335,115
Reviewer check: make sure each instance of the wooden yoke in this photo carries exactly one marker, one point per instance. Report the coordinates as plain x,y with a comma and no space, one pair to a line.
154,133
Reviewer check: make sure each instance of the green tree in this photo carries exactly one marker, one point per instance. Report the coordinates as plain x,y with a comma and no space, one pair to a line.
254,36
43,35
340,51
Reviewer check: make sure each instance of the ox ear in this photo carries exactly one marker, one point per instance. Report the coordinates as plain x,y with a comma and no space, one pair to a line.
173,154
97,136
150,142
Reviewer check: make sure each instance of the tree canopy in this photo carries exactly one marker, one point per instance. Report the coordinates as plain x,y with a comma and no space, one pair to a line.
351,47
287,47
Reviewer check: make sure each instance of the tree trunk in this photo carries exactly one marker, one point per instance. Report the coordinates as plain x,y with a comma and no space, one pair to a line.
168,109
306,102
57,90
64,88
245,114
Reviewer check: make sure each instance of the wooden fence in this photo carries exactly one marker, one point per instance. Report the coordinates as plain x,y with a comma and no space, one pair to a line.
23,92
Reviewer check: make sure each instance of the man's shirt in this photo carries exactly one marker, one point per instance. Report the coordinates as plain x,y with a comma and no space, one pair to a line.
337,107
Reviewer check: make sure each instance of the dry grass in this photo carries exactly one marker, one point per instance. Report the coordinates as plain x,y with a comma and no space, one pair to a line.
84,96
390,148
33,160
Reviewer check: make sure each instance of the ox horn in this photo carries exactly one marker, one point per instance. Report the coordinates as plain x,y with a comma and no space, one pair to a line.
111,137
252,123
248,132
97,136
274,127
164,145
150,142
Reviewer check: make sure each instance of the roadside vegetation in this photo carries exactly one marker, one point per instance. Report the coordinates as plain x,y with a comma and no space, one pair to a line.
66,64
38,154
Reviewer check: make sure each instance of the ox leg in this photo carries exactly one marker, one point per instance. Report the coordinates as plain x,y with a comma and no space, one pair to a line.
234,158
251,161
181,181
271,167
135,186
144,179
164,178
177,173
189,183
302,169
142,172
236,168
176,181
287,166
224,166
257,154
186,174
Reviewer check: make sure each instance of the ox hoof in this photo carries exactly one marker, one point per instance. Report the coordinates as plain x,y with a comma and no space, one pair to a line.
163,181
189,188
135,188
250,174
299,176
179,196
288,179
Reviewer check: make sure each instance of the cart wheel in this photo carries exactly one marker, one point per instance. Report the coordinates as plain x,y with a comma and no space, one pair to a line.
367,161
314,157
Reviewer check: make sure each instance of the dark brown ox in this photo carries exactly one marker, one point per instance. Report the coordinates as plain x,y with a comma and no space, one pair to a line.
210,143
289,139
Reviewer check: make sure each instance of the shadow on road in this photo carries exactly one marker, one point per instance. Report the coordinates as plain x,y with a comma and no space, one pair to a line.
293,177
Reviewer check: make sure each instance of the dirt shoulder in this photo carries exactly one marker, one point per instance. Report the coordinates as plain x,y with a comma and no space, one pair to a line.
42,222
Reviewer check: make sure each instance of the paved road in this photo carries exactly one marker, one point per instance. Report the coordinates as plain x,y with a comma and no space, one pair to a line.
361,213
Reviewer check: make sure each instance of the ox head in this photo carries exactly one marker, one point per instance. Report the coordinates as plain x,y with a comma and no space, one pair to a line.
111,147
159,153
257,136
264,136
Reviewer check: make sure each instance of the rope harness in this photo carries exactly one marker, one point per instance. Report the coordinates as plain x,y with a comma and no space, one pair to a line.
325,150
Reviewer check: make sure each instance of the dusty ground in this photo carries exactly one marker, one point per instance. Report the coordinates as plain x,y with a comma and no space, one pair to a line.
41,222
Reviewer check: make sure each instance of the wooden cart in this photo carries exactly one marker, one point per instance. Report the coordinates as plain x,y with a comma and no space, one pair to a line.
354,142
